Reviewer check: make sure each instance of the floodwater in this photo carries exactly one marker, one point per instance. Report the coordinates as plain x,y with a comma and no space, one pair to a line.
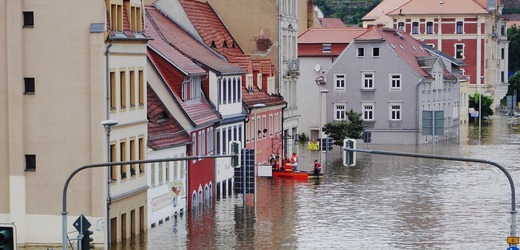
384,202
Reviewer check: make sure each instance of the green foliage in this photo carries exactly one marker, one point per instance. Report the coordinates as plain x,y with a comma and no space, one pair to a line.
351,128
513,35
486,104
514,84
303,137
349,11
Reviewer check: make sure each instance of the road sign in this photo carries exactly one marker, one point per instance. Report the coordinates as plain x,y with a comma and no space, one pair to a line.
513,240
81,223
512,248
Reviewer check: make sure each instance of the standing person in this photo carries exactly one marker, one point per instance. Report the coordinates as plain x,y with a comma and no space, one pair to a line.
317,168
294,161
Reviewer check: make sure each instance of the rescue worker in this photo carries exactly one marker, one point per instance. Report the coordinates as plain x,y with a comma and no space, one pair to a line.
294,161
317,168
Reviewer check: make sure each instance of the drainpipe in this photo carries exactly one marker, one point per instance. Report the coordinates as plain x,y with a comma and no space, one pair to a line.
283,132
108,179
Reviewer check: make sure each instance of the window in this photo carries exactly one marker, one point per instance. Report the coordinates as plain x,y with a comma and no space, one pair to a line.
375,52
395,81
460,28
415,28
113,158
113,99
132,156
361,52
400,26
218,148
502,53
29,85
340,82
327,47
339,112
429,28
132,89
194,145
502,76
122,89
141,153
210,141
459,51
28,19
368,80
368,111
141,88
503,30
122,157
116,17
191,89
30,162
135,17
395,111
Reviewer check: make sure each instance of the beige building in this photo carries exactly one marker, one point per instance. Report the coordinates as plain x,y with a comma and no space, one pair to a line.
269,29
53,94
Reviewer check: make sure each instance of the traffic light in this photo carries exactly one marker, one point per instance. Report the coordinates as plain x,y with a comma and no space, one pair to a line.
326,144
235,151
7,237
86,241
349,157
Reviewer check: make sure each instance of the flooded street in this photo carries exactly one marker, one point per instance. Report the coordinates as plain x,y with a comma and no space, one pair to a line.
384,202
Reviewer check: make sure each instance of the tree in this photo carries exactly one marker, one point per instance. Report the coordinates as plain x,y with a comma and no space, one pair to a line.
486,104
513,35
514,84
351,128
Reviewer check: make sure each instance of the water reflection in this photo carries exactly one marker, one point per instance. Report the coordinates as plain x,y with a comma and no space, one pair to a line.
384,202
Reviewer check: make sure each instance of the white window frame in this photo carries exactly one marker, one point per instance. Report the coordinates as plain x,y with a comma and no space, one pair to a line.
456,50
339,81
367,111
367,82
415,28
429,27
457,27
378,52
340,107
395,111
401,26
327,48
360,52
396,81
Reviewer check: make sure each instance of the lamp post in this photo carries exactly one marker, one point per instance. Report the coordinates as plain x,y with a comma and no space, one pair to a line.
323,91
108,124
480,107
255,107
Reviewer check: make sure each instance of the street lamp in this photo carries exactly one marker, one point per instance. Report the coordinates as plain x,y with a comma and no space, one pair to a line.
108,124
323,91
480,107
255,134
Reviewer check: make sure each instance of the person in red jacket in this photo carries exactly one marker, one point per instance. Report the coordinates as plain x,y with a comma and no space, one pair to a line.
317,168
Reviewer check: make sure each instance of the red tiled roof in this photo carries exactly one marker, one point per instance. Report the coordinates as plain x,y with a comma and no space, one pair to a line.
331,23
405,46
163,133
199,111
420,7
189,46
329,35
210,28
159,45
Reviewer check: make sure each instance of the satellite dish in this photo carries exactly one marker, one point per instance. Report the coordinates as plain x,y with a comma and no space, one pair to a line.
317,68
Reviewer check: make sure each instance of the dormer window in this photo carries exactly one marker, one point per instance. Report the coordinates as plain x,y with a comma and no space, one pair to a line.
116,17
135,19
162,117
191,89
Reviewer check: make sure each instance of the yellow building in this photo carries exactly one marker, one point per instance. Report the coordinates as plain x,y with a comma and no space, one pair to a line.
56,61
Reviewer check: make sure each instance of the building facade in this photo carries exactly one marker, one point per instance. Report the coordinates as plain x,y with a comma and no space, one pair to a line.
55,97
391,79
